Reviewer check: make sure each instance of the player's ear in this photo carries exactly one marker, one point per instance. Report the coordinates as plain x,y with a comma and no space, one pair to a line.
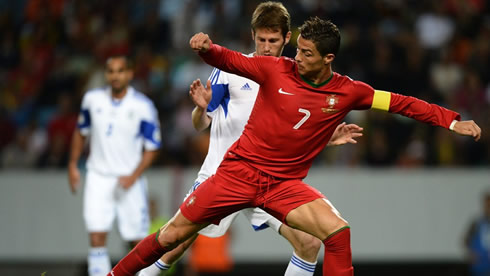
328,58
287,38
253,34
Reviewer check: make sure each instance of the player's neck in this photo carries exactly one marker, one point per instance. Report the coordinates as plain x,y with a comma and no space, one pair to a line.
321,77
119,94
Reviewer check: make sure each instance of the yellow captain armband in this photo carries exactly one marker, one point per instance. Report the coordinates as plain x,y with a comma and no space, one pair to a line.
381,100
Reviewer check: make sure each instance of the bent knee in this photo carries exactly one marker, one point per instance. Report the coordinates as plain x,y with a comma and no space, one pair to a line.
169,236
309,246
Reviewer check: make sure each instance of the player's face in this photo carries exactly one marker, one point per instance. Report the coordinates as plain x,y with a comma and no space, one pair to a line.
310,61
269,42
117,74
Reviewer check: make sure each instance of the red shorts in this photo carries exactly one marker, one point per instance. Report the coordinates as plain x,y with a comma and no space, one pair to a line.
237,185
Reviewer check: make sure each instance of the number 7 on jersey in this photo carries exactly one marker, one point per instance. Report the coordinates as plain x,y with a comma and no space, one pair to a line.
303,120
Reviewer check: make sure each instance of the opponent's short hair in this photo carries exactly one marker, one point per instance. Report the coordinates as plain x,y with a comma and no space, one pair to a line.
273,16
324,34
129,63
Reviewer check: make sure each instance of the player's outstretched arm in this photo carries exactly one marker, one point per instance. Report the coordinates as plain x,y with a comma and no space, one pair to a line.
200,42
345,133
467,128
201,96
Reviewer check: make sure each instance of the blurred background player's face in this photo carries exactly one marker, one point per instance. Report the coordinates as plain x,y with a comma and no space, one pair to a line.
269,42
117,74
310,61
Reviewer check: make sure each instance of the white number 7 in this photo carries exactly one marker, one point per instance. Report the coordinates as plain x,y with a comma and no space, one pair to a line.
303,120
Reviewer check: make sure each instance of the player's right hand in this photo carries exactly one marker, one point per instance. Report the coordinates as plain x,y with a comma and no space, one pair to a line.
200,42
73,178
200,96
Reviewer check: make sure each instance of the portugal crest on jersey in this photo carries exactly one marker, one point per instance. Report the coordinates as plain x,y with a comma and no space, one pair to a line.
331,100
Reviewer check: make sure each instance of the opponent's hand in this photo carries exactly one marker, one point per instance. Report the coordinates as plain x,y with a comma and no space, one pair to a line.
344,134
73,178
468,128
127,181
200,95
200,42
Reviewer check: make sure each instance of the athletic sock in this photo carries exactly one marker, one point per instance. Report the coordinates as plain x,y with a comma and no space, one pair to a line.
337,259
146,252
155,269
99,263
299,267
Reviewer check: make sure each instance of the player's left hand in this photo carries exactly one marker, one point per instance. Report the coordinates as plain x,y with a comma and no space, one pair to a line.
345,133
127,181
200,95
468,128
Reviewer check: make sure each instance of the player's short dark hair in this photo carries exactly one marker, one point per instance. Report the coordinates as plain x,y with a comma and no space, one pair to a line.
129,64
273,16
323,33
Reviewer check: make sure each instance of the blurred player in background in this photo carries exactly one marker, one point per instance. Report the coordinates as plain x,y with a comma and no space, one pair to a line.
226,106
477,241
124,133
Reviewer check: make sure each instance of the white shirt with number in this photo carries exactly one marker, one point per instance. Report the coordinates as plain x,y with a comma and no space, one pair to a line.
118,130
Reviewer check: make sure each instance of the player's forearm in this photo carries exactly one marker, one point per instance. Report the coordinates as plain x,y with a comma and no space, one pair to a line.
146,161
414,108
200,120
235,62
77,143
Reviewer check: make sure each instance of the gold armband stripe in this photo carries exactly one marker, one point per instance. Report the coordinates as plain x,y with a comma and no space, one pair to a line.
381,100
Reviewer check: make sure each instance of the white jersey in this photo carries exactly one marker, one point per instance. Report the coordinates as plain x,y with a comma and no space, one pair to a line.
118,130
230,107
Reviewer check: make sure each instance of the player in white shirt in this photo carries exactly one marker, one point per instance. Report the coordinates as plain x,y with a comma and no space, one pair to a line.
227,103
124,132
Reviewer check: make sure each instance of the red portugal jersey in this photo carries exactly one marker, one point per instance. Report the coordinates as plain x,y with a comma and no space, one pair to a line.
293,120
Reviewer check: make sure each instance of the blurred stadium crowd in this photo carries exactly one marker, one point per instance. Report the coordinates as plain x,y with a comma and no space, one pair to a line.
52,51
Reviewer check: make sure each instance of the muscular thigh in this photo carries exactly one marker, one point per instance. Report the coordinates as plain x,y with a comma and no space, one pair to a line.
318,217
283,196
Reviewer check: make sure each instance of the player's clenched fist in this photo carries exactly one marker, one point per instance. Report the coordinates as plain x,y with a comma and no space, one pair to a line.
200,42
468,128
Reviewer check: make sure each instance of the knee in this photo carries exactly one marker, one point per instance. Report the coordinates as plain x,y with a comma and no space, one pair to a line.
339,224
169,236
308,247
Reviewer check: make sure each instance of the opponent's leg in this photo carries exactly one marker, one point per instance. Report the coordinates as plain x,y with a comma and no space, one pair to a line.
98,215
150,249
98,260
168,259
305,254
322,220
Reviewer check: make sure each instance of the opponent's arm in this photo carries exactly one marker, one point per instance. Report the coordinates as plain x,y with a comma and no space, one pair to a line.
147,159
150,131
201,97
77,143
345,133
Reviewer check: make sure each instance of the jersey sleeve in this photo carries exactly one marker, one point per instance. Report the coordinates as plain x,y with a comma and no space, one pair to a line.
150,128
84,120
256,68
404,105
220,92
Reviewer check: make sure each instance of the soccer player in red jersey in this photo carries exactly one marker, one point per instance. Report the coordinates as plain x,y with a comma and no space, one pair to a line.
299,105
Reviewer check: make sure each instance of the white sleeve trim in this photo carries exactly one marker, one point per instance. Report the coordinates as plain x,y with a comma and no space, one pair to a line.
451,126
